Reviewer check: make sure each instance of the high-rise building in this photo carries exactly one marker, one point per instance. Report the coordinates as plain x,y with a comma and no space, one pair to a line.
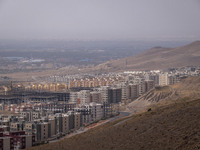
95,97
73,97
84,97
148,85
97,111
114,95
6,143
43,131
104,93
132,91
163,79
173,79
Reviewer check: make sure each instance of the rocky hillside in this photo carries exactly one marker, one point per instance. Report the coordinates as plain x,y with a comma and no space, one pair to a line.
189,87
152,97
157,58
172,125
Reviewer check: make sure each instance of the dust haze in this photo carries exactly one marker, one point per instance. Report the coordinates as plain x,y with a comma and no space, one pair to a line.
99,19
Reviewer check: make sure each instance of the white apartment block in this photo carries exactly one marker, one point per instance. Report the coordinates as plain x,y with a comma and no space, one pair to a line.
73,97
104,93
163,79
83,97
168,79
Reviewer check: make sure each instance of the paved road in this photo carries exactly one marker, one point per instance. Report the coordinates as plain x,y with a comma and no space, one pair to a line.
121,115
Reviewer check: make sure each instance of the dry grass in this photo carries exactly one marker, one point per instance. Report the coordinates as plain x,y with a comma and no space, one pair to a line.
172,126
157,58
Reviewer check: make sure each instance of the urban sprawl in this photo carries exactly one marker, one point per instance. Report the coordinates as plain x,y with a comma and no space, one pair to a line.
43,111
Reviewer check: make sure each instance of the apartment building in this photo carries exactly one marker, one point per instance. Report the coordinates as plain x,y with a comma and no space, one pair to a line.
6,143
85,112
43,131
30,128
71,120
16,140
173,79
30,115
124,90
62,96
141,86
168,79
77,120
155,78
63,122
16,126
73,97
163,79
4,122
24,141
114,95
123,86
97,111
83,97
104,93
148,85
53,126
132,91
4,128
95,97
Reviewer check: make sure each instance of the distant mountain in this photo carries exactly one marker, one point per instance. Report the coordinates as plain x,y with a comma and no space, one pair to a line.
156,58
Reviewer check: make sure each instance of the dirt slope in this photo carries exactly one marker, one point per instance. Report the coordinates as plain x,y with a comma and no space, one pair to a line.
168,126
189,87
157,58
175,126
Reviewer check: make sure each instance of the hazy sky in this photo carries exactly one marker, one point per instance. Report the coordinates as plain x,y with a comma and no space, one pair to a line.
99,19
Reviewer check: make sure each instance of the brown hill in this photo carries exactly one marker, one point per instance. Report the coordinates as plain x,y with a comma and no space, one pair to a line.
189,87
157,58
172,125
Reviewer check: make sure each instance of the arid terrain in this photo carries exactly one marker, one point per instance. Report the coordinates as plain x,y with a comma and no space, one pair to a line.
157,58
168,124
188,88
153,59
